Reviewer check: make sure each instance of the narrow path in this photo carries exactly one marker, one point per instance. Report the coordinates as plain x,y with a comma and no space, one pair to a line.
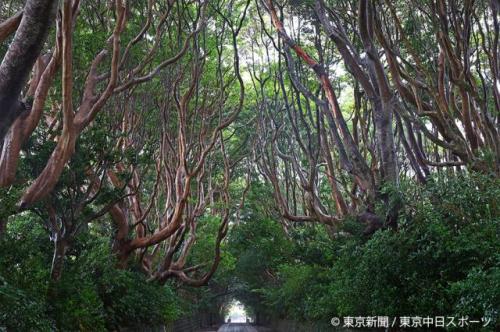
237,327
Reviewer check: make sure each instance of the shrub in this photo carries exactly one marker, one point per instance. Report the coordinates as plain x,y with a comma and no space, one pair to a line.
442,260
21,312
92,295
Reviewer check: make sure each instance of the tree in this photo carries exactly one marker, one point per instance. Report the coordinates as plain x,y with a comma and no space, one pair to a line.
393,122
23,51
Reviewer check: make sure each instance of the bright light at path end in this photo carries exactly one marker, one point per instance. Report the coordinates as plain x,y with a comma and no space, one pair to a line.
237,313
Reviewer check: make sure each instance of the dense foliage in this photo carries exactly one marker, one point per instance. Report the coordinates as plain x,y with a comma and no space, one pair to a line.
443,260
93,294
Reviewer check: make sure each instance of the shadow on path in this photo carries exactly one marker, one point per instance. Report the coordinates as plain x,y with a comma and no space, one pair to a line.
237,327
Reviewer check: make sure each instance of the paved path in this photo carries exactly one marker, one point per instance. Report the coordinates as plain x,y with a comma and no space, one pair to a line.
237,327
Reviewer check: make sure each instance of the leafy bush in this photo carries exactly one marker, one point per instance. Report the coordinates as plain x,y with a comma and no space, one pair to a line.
442,260
21,312
92,295
77,306
23,276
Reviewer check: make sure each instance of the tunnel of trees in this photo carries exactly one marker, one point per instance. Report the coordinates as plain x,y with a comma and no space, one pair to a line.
308,158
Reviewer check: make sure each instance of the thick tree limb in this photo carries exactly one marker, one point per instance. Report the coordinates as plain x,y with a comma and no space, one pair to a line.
20,58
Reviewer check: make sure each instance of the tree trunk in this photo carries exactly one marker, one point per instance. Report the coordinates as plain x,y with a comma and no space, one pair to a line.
60,247
3,226
20,58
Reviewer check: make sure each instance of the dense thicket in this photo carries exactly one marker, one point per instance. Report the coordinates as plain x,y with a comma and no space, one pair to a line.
443,258
310,158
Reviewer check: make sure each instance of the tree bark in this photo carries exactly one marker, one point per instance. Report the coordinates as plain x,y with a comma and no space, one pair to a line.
384,107
20,58
10,25
60,247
